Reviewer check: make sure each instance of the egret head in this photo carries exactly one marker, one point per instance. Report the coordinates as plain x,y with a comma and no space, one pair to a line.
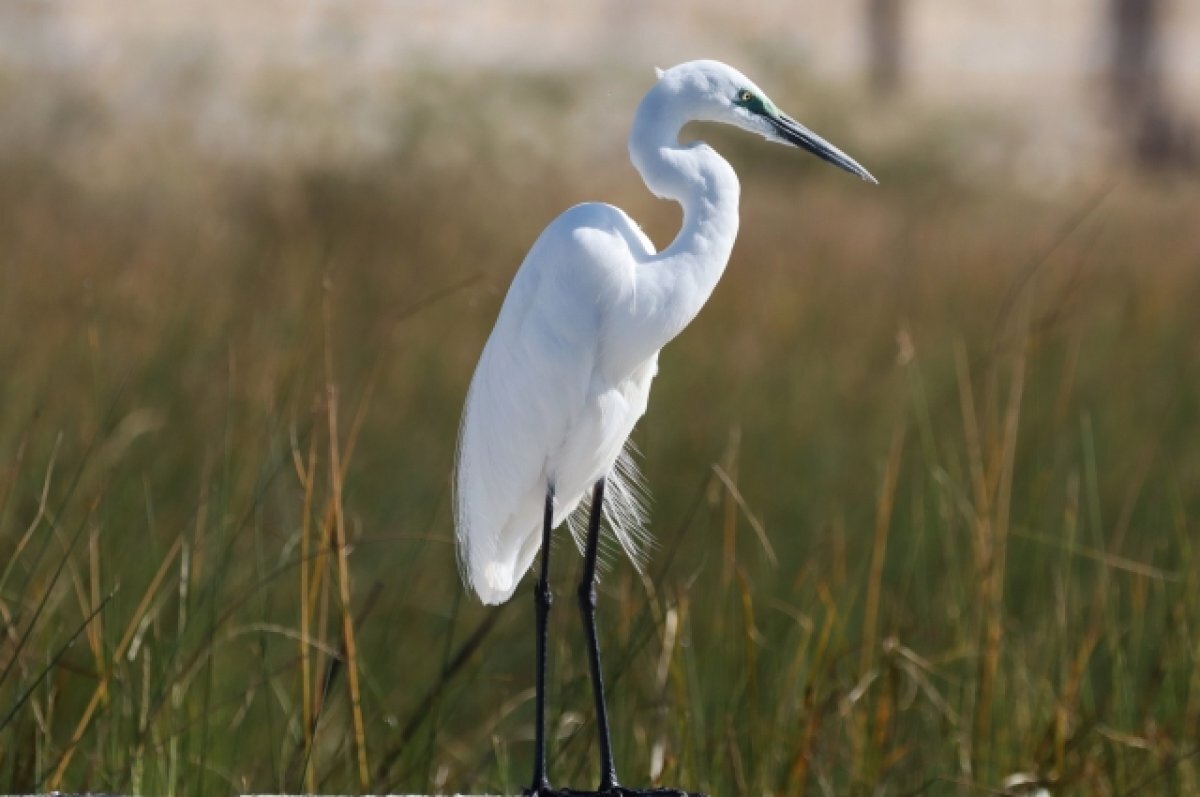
715,92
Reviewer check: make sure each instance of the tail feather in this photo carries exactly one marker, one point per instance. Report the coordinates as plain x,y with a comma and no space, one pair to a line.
626,511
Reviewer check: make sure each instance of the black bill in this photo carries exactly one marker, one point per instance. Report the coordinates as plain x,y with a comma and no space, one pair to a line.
798,135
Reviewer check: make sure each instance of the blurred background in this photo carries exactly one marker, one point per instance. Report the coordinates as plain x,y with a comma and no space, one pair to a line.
926,469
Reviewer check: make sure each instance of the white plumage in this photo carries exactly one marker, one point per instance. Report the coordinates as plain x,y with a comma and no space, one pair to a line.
566,372
545,404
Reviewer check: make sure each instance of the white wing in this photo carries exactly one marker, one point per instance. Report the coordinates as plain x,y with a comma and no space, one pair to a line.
543,407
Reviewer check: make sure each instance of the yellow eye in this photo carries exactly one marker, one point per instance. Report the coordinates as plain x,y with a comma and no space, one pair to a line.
745,96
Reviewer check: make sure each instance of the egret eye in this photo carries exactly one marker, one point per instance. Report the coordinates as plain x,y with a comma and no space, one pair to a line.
745,95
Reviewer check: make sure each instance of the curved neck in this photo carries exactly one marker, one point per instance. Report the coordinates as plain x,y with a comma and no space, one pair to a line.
671,287
693,175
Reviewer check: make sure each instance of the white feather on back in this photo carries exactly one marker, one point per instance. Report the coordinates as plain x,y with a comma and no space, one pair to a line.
544,405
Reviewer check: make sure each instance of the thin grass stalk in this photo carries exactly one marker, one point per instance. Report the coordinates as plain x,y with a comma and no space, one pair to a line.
1062,713
670,627
736,766
206,655
189,556
101,689
1191,592
435,705
82,594
753,641
993,545
318,594
53,663
39,515
427,702
785,705
982,538
883,524
43,600
995,624
729,525
335,468
263,643
137,767
95,632
814,715
10,476
306,696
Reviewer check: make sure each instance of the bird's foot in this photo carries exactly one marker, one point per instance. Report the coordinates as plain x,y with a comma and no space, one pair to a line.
542,790
615,791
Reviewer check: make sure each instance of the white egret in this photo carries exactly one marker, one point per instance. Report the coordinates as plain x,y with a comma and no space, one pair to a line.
566,372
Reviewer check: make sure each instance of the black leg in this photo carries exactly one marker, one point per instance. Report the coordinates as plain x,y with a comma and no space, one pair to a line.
609,787
542,600
587,606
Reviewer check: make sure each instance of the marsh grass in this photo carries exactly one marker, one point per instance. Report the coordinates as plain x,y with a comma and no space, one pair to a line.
926,475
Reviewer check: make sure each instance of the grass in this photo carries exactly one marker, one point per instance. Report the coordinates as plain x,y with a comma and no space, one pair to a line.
926,475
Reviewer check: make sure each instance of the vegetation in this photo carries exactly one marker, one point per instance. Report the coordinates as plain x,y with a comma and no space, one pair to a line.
926,475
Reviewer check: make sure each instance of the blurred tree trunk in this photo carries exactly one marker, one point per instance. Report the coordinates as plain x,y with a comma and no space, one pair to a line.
1154,133
885,46
1134,35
